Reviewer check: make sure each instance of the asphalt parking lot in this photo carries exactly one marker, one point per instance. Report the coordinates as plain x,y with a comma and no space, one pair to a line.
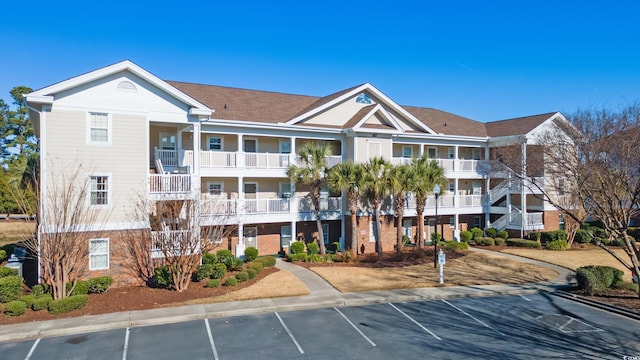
528,326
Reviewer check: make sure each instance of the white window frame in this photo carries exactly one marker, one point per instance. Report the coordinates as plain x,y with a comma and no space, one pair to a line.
211,183
93,255
281,146
407,230
90,127
284,229
247,229
244,143
169,135
452,187
283,193
452,153
90,192
476,154
405,148
221,142
452,221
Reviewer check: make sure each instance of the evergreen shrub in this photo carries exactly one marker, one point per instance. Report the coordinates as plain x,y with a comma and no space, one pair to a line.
466,236
5,271
250,253
557,245
499,240
477,232
532,244
595,279
10,288
313,248
231,281
204,271
491,232
268,261
209,258
41,302
213,283
100,284
297,247
504,234
252,273
65,305
242,276
15,308
219,271
456,246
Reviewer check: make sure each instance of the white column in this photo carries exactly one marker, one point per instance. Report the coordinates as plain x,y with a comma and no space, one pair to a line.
523,193
240,153
196,149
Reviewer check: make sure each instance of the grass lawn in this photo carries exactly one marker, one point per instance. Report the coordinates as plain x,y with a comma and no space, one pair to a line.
12,231
574,258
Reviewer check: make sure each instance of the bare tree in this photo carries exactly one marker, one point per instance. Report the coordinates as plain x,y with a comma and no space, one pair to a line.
67,222
591,169
179,232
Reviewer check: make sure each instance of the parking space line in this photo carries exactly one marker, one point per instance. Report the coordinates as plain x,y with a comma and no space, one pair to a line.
213,345
33,348
415,322
522,296
126,343
355,327
290,334
471,316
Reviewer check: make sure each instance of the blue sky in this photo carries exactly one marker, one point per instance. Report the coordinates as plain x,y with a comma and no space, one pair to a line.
486,60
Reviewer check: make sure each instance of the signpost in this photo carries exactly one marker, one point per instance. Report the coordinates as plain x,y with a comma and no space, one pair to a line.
441,261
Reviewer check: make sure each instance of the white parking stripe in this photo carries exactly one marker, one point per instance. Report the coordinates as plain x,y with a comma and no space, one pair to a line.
213,345
522,296
33,348
126,344
355,327
415,322
471,316
290,334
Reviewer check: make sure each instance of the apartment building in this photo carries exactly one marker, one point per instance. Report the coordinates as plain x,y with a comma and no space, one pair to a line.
136,136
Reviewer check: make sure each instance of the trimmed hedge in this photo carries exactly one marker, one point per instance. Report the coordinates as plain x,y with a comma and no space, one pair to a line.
231,282
532,244
10,288
297,257
250,253
503,234
213,283
223,254
477,232
5,271
204,271
209,258
625,285
267,261
485,241
499,240
28,299
535,236
100,284
82,288
466,236
38,290
297,247
3,255
242,276
257,266
219,271
549,236
313,248
557,245
252,273
65,305
15,308
41,302
163,276
582,236
456,246
595,278
491,232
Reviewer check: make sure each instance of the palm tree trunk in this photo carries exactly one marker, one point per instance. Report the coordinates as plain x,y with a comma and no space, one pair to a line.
323,251
399,232
354,234
378,205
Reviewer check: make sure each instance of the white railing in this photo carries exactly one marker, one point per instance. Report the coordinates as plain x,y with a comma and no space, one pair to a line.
213,159
266,206
169,183
535,218
501,223
172,243
401,161
447,164
467,165
333,160
470,200
218,207
266,160
167,157
326,204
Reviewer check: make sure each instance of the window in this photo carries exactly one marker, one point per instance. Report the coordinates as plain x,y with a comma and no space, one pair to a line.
561,187
452,153
363,99
452,221
99,125
475,154
99,194
215,188
285,235
407,152
406,224
476,221
98,254
325,233
285,190
432,153
285,146
167,141
215,143
452,187
561,221
250,235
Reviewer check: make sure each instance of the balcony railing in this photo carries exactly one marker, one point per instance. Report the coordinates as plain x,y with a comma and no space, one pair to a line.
233,159
169,184
266,160
465,165
173,243
326,204
266,206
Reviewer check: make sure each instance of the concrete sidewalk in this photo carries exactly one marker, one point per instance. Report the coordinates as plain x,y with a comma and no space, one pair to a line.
322,295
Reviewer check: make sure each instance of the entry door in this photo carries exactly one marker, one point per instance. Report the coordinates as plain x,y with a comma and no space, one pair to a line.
250,195
167,141
250,145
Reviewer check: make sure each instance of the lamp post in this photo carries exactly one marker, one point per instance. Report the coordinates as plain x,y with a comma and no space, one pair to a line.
436,192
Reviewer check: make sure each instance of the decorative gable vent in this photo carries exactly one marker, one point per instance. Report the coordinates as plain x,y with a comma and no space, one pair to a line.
126,86
363,99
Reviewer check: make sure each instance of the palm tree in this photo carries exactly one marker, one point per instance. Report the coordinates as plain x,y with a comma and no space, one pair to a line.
348,176
425,174
376,186
400,182
311,170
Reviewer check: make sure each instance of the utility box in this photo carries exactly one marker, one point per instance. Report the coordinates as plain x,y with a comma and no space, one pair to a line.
14,263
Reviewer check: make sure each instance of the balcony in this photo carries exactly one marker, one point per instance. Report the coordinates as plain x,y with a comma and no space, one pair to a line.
173,243
232,207
166,184
326,204
449,165
232,159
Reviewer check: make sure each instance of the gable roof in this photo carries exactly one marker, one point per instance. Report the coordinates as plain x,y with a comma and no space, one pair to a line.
46,95
246,105
516,126
443,122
